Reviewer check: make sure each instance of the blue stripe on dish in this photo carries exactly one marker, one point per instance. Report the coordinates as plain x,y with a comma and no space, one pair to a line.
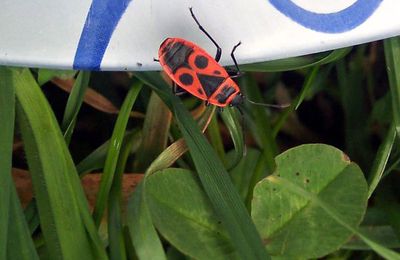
100,24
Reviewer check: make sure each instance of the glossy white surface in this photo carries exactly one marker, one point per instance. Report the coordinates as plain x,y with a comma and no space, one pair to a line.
47,33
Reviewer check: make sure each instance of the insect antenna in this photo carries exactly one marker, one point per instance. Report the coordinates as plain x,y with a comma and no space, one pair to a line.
268,105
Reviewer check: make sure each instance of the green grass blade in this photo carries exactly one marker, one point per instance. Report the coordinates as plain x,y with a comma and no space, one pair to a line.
31,216
45,75
392,54
116,238
223,195
15,239
214,135
381,159
235,128
64,215
74,103
214,177
351,84
114,151
95,160
143,235
299,99
7,115
262,131
20,244
155,133
297,62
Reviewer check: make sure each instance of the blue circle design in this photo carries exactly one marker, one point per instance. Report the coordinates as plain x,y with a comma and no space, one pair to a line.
338,22
101,21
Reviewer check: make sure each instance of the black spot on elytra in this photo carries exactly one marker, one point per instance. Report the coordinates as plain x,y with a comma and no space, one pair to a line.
201,61
217,72
176,56
200,91
186,79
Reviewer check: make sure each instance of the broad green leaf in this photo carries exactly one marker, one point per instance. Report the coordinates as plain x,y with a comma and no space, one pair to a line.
15,238
294,226
114,151
184,215
68,229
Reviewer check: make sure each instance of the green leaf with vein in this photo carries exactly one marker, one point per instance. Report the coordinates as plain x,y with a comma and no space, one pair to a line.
312,205
295,226
184,215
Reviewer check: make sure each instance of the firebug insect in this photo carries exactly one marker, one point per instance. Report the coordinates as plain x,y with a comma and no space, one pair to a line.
194,70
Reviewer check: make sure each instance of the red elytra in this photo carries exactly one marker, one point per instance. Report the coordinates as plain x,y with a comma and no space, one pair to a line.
194,70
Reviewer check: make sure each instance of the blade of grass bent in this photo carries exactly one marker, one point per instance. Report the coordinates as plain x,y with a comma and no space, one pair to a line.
392,55
64,215
214,177
297,62
381,159
74,103
113,152
15,239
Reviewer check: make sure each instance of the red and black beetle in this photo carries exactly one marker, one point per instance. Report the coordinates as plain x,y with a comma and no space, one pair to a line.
193,69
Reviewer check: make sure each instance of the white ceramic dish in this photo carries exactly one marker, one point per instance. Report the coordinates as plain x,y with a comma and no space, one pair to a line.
126,34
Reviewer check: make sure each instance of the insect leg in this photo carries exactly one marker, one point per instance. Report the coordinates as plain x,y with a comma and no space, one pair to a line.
238,72
176,90
157,60
219,50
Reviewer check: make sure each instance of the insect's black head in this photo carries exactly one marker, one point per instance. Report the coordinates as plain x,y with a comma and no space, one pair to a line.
237,100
